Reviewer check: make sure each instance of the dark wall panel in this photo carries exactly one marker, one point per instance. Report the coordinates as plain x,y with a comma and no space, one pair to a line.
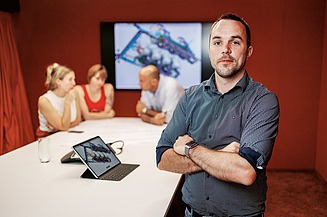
10,6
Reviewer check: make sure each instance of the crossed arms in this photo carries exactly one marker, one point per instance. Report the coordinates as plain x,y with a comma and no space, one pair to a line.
225,164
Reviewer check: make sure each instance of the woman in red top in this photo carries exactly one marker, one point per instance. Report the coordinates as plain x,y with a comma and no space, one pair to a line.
96,97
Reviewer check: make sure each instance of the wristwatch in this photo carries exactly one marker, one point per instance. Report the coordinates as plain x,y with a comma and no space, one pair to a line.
144,110
189,146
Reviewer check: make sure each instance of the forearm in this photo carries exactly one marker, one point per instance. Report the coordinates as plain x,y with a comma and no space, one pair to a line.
151,112
77,120
146,118
173,162
65,120
227,166
110,112
98,115
158,119
78,113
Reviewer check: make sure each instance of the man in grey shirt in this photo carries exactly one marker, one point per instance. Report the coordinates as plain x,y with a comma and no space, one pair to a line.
159,96
223,131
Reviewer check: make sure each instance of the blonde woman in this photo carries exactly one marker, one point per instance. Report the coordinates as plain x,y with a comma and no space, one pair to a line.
97,97
58,108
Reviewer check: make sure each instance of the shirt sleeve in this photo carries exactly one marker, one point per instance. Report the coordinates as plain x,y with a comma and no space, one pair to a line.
252,157
145,98
260,131
173,95
176,127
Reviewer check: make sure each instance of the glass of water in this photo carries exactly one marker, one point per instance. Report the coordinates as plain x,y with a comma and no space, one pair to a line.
44,150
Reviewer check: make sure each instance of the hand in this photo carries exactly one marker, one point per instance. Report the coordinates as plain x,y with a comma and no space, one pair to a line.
139,106
110,113
232,147
179,145
70,96
50,127
159,119
107,109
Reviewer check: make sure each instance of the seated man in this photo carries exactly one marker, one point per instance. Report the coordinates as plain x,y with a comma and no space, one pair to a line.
159,96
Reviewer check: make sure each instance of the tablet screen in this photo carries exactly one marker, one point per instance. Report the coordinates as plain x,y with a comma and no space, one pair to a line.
96,155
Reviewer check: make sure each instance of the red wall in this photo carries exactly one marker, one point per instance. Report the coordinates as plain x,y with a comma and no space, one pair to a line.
321,159
288,51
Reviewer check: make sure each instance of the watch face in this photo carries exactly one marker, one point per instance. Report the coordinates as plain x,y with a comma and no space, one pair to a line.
189,146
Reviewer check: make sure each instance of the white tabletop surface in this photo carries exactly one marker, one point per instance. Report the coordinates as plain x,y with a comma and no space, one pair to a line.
29,188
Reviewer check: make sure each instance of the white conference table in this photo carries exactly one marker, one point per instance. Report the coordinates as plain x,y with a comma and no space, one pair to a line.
29,188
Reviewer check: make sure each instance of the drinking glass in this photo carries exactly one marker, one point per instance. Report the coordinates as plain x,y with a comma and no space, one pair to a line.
44,150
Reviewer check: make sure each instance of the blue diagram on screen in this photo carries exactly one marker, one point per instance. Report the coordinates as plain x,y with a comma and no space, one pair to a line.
156,47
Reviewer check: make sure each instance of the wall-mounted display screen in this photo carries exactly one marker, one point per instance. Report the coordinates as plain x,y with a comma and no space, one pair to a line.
179,50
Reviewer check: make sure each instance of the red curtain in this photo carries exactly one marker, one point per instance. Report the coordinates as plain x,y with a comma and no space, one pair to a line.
15,117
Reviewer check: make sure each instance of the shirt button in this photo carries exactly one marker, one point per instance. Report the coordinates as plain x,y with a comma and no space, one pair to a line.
210,136
207,198
216,116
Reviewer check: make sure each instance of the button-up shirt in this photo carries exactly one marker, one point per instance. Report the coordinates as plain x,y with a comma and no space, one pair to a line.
165,98
247,114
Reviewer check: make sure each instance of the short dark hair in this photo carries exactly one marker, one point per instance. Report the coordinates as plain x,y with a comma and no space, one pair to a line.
230,16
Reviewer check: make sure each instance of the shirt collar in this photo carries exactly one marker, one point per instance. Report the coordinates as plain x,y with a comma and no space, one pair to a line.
210,84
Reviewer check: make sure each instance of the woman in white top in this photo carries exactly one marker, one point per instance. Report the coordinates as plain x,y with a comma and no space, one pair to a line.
59,107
